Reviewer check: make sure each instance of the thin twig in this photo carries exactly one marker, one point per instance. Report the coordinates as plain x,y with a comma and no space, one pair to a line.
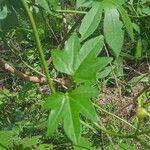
41,80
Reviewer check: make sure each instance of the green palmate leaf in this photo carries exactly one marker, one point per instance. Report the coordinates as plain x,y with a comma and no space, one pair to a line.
65,61
72,125
81,97
91,21
89,63
127,21
82,64
68,107
3,13
44,5
113,32
63,107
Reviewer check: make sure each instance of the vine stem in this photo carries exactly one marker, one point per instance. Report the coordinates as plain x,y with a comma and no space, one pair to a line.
71,11
113,115
39,46
120,135
103,129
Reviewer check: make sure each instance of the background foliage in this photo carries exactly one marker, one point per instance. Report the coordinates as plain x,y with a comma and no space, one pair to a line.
75,48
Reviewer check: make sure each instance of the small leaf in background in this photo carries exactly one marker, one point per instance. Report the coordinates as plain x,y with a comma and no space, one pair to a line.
53,3
136,27
84,144
29,142
138,50
137,79
104,73
65,61
113,32
44,5
124,146
146,10
91,21
3,13
84,3
119,67
9,23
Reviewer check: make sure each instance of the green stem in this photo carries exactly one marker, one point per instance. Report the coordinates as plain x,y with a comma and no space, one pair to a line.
143,132
105,130
13,49
113,133
132,136
39,46
72,11
101,109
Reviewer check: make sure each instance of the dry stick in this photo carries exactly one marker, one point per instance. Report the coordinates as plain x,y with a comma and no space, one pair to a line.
5,66
41,80
33,79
